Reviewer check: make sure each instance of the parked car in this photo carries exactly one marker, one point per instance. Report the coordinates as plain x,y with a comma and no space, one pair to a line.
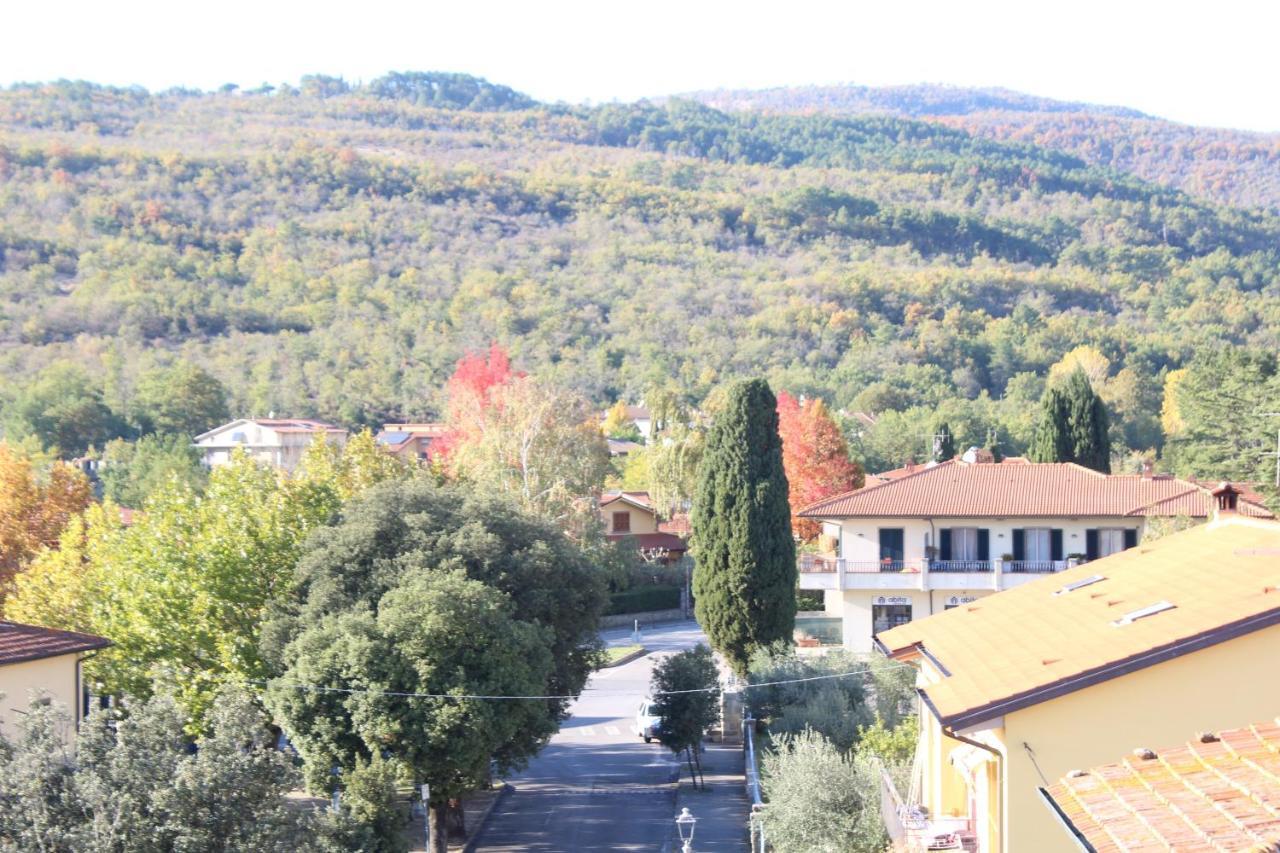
648,725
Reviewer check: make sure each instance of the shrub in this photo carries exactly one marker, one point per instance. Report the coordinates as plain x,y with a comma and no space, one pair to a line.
642,599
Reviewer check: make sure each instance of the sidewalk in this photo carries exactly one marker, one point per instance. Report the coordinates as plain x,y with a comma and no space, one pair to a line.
721,809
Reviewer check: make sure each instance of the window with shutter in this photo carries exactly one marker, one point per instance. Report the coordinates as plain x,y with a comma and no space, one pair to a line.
1055,544
1019,544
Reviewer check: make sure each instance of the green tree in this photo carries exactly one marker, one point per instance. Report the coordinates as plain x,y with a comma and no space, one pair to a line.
745,577
133,471
429,589
131,783
687,701
1073,426
820,799
181,399
64,409
944,443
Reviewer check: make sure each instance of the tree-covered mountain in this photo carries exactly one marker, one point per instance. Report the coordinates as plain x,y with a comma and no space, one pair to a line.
328,250
1229,166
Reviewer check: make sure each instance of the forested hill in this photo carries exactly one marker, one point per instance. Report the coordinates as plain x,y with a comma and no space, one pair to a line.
331,252
1230,166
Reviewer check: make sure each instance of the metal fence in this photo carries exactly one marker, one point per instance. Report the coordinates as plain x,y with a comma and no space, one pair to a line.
758,844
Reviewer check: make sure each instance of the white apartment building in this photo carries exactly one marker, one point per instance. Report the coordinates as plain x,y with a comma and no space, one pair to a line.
948,534
275,441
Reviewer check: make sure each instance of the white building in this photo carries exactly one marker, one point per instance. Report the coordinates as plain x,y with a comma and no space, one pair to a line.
947,534
278,442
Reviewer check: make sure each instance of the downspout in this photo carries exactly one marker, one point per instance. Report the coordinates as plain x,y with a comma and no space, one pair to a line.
933,542
80,709
949,732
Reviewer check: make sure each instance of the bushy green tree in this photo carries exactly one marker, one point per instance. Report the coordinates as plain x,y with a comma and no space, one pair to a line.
429,589
181,399
132,471
687,701
64,409
835,707
1073,426
820,799
130,783
745,575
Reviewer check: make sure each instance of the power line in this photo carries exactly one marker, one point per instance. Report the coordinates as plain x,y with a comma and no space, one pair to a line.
313,688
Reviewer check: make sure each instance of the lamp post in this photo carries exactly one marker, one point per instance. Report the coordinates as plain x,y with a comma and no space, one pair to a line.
684,825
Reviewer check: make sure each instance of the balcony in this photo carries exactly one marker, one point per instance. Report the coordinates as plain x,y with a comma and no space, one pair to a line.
822,572
953,566
911,829
1035,567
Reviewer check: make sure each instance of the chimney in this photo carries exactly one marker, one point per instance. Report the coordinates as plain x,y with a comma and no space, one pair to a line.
1226,498
1146,469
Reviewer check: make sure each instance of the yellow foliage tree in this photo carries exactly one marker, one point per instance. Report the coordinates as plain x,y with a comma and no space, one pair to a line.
34,509
59,588
1096,366
1170,415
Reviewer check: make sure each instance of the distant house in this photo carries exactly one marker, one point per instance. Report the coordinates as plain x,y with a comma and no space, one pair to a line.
409,441
275,441
619,447
1072,670
1217,791
922,539
41,662
639,417
631,517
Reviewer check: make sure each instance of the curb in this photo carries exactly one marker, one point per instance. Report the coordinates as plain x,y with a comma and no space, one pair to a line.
636,655
479,823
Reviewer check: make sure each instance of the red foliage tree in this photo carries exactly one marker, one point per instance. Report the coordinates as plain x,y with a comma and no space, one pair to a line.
471,394
815,456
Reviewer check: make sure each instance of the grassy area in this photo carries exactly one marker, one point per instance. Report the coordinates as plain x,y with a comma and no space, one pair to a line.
617,653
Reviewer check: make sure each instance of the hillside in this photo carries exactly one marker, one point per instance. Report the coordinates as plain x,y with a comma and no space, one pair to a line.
1229,166
331,253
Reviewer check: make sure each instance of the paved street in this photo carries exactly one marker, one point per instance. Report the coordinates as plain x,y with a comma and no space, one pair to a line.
597,786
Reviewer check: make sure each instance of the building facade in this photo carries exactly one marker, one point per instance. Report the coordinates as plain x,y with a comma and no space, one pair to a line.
41,663
273,441
409,441
937,537
1071,670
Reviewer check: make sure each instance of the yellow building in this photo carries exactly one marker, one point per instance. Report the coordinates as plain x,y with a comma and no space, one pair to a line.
41,662
1068,671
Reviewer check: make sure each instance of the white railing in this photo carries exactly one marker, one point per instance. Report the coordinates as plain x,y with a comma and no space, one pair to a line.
960,565
1034,566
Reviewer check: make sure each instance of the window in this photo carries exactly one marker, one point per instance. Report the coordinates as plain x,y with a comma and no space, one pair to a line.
964,543
622,522
891,544
1037,545
1110,541
886,616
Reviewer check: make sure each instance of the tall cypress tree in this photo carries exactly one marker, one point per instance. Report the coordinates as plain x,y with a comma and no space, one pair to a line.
1073,426
745,577
944,443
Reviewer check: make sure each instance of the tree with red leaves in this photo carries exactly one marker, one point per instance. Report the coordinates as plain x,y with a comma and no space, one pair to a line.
815,456
472,394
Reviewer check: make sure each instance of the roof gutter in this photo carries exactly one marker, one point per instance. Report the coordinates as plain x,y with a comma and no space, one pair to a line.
1076,835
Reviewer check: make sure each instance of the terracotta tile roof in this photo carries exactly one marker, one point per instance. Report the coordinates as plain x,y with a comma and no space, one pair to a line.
20,642
1019,488
1029,644
640,499
1218,792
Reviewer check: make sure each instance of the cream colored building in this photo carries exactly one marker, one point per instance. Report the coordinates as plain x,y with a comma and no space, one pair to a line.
276,442
1071,670
38,663
925,540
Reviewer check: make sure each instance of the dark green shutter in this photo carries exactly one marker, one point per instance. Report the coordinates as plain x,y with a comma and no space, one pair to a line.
1019,544
1091,544
944,544
1130,539
984,543
1055,544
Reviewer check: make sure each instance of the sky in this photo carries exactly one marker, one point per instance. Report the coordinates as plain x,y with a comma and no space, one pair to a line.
1204,63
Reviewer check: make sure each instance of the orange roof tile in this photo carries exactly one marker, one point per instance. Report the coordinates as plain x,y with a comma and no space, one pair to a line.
1218,792
1017,488
1032,643
20,642
640,499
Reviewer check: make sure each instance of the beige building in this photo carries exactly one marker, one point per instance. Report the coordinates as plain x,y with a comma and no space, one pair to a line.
274,441
1072,670
920,541
409,441
631,517
39,663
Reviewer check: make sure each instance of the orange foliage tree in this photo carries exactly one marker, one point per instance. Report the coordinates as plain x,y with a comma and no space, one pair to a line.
34,509
815,456
472,395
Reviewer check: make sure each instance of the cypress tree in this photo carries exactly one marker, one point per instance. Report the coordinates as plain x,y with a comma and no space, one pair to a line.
1073,426
944,445
745,577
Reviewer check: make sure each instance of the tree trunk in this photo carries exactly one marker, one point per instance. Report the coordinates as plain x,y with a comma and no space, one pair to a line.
693,776
439,828
456,819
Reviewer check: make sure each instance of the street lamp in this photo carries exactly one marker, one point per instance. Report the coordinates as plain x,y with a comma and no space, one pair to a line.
685,824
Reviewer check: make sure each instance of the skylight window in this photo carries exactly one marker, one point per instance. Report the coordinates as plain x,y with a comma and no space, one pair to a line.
1083,582
1134,616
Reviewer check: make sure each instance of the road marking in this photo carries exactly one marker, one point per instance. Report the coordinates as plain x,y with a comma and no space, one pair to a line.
611,730
587,731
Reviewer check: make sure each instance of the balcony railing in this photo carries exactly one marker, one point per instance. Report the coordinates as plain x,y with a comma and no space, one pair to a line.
1034,566
817,563
960,565
820,564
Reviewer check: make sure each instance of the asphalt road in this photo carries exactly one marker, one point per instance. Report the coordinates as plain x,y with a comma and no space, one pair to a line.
597,785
